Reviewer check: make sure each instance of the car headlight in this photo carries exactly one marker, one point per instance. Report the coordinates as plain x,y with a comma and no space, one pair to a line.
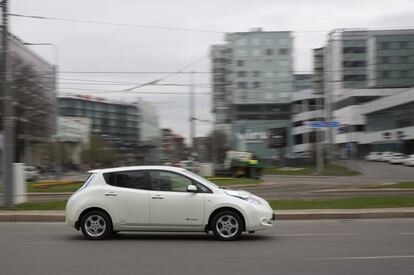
243,196
253,200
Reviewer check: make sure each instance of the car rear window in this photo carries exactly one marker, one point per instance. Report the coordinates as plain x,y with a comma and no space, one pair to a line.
128,179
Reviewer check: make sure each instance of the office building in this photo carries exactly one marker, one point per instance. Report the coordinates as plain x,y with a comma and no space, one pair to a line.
253,84
361,66
112,120
390,123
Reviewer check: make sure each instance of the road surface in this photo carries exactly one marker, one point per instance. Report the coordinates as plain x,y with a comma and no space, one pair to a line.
291,247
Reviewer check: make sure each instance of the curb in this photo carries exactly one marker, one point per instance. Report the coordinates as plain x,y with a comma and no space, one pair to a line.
59,216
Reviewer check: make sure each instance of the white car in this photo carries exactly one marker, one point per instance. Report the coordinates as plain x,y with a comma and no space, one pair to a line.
397,158
385,156
31,173
162,198
409,161
373,156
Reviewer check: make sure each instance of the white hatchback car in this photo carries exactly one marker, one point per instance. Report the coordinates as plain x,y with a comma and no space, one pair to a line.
162,198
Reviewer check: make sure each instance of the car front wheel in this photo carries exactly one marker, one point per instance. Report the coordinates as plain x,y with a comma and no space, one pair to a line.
96,225
227,226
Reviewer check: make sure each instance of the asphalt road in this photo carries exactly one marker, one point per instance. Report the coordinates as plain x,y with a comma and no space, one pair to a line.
291,247
374,173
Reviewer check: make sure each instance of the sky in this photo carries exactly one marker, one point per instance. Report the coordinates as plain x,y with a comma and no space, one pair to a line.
116,50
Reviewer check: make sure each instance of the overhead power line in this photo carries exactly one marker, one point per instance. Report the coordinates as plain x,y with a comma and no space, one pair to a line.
38,17
114,23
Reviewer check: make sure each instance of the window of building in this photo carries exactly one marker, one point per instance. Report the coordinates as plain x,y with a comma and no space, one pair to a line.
384,45
269,42
359,128
256,84
256,73
283,51
241,73
256,41
298,139
241,52
240,63
385,74
242,85
241,42
354,49
394,74
269,52
385,60
354,77
283,41
403,44
256,52
404,59
355,64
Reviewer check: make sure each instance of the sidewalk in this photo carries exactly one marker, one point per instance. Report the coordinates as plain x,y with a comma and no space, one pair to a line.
375,213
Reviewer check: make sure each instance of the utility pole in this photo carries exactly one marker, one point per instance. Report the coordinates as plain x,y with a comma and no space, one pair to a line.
8,127
192,110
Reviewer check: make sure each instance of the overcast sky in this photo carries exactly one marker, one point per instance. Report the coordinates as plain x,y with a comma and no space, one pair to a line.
85,47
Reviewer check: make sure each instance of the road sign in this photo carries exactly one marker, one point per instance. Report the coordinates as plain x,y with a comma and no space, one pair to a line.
322,124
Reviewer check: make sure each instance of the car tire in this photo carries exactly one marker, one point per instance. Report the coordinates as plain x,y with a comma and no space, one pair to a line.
96,225
227,225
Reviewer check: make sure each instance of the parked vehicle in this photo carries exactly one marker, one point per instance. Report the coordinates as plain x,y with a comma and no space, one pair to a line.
385,156
31,173
373,156
409,161
162,198
397,158
242,164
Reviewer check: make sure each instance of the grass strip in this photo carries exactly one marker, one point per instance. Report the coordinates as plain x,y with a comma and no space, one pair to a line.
31,187
402,185
44,205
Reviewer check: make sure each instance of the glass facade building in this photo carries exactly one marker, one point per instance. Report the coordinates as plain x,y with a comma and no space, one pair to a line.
115,121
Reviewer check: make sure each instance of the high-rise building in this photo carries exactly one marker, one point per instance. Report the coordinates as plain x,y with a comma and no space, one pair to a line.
360,66
253,83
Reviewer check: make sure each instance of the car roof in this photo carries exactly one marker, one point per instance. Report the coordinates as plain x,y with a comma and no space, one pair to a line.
142,167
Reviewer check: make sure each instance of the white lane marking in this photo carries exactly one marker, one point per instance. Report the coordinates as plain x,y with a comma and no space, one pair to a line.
364,258
406,233
318,234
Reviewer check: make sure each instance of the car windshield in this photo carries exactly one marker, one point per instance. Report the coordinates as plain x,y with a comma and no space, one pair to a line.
200,178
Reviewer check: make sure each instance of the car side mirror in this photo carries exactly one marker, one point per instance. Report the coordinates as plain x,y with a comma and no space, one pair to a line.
192,188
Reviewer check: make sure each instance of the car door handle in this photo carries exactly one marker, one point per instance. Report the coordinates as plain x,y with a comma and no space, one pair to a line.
157,197
111,194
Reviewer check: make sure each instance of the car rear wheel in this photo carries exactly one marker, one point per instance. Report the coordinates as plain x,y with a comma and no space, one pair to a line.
96,225
227,226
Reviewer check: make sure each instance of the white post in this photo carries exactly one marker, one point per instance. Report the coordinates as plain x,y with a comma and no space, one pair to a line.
19,183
